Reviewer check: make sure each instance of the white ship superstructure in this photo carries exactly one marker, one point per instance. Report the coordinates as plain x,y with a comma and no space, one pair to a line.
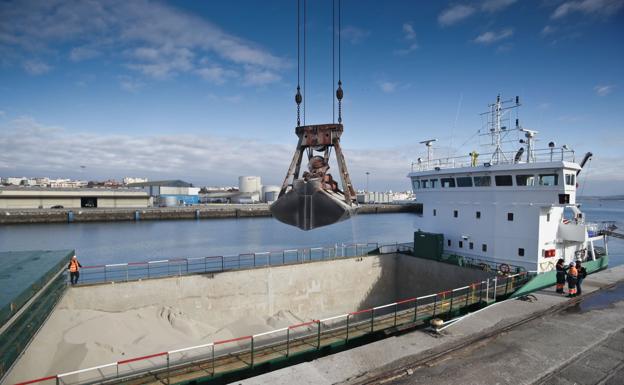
517,208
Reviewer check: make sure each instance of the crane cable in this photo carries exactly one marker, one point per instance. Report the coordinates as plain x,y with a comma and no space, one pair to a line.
339,92
333,59
298,97
305,57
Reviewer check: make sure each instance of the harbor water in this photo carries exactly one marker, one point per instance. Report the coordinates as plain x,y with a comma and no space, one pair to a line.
107,242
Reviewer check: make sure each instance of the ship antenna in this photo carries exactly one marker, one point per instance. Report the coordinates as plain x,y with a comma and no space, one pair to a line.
495,128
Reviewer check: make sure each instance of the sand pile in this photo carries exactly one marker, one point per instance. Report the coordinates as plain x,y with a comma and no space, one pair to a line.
79,338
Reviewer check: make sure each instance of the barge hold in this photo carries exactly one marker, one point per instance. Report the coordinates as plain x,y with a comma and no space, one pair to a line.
250,317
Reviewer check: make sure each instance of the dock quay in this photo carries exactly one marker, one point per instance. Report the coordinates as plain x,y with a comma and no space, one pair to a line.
354,317
543,339
205,211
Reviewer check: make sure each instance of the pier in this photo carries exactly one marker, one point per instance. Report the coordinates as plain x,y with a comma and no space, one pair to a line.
210,211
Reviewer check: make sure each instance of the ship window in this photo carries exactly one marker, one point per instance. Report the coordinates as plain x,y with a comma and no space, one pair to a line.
521,252
570,179
447,182
433,182
464,181
455,213
548,217
461,244
510,217
471,245
423,183
478,214
503,180
482,181
484,247
416,184
435,212
548,179
525,180
448,242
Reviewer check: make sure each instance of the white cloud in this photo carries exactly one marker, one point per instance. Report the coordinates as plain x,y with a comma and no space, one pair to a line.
354,35
405,51
548,30
27,146
409,35
496,5
408,31
387,87
455,14
215,74
490,37
36,67
83,53
588,7
604,90
157,40
30,148
129,84
259,77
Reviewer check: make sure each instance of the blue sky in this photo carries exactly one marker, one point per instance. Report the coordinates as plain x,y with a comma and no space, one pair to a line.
204,91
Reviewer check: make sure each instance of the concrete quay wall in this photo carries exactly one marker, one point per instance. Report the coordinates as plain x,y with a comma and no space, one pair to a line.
211,211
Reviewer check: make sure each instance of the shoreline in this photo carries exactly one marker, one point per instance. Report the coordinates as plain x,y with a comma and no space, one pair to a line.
206,211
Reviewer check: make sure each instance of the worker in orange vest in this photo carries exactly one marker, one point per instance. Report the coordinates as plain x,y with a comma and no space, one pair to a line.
561,275
74,270
572,279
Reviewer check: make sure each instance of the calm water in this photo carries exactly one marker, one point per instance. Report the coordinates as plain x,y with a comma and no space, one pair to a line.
99,243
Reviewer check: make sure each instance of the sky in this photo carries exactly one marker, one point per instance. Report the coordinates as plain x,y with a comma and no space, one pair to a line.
204,91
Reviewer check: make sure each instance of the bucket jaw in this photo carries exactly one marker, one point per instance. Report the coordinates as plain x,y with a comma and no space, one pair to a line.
315,199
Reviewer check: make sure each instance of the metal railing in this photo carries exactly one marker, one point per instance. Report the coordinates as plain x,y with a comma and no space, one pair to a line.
133,271
507,157
466,260
215,358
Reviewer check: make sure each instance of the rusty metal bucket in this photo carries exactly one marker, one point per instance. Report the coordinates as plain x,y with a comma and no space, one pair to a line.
308,206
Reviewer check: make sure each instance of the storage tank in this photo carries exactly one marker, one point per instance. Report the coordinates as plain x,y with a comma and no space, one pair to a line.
270,193
249,184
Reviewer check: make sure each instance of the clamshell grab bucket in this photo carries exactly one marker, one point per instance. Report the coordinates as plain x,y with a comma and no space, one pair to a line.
315,199
308,206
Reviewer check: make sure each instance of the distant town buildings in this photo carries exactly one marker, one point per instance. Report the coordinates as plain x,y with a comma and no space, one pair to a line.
140,192
128,180
43,182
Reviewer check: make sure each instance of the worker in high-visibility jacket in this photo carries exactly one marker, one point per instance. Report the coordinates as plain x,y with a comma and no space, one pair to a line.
74,270
572,277
561,275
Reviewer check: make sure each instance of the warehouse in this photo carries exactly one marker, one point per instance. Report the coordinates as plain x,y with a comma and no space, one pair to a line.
169,192
37,197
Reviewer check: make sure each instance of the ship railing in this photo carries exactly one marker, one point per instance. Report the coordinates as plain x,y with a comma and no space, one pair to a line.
159,268
466,260
246,352
505,157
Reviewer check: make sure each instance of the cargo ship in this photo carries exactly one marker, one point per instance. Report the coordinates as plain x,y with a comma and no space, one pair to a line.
509,209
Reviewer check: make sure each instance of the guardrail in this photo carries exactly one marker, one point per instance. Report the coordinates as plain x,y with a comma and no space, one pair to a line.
507,157
215,358
473,261
133,271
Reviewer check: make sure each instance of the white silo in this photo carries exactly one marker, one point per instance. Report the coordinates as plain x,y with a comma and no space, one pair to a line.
249,184
270,193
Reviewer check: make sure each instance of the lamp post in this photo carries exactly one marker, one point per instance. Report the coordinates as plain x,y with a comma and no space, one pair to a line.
367,191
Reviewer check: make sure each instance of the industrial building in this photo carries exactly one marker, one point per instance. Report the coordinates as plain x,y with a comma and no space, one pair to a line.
168,193
38,197
250,190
